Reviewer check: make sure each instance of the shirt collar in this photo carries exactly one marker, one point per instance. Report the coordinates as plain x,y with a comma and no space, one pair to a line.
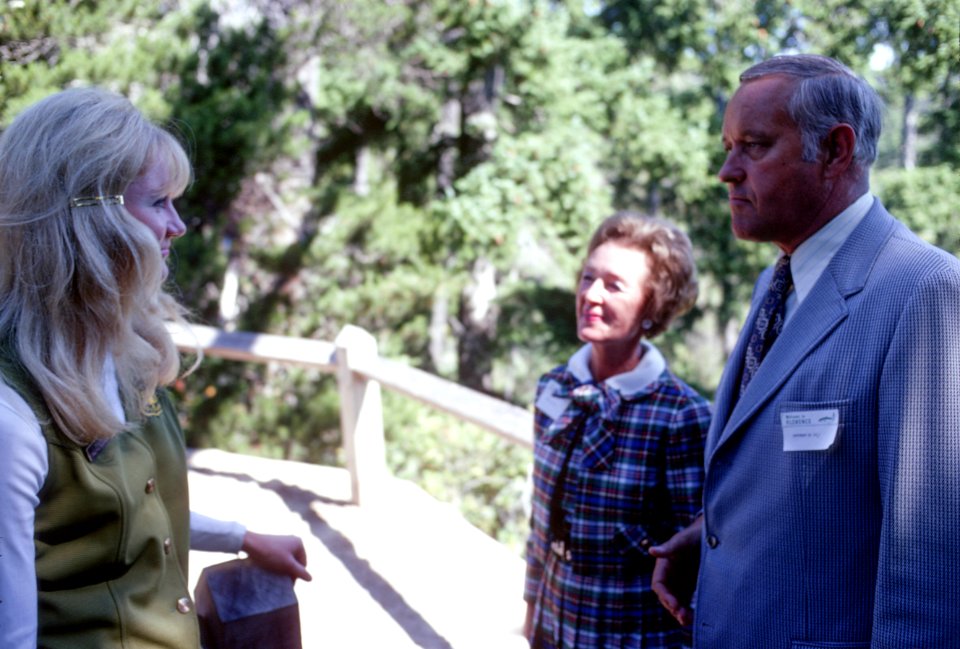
648,370
812,256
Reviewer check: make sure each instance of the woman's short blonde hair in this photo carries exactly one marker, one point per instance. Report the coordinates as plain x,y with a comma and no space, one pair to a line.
673,276
79,283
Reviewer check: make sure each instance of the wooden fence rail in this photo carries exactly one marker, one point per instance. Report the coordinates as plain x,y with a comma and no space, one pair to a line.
360,372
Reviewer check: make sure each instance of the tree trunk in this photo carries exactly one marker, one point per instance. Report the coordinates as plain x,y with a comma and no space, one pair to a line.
445,136
908,143
441,357
361,174
478,318
479,129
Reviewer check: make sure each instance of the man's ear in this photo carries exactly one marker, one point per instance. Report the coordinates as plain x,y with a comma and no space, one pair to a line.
838,149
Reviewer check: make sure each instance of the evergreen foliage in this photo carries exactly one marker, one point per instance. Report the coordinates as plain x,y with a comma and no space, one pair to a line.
430,170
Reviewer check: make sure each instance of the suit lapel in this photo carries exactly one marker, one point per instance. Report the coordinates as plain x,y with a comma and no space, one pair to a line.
819,315
823,310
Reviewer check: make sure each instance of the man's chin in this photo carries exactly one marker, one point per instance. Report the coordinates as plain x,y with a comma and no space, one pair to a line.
746,230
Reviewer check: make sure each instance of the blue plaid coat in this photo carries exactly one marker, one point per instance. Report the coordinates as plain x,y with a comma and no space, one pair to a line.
634,478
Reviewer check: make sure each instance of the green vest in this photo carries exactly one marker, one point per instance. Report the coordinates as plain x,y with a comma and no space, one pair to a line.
112,535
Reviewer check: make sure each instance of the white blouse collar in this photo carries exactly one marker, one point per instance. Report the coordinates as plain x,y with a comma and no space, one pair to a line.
648,370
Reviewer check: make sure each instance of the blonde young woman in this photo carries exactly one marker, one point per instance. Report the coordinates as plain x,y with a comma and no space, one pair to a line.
95,528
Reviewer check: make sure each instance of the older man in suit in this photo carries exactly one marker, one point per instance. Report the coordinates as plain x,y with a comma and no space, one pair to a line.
832,497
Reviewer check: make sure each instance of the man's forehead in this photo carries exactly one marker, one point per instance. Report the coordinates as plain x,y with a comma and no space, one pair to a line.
757,109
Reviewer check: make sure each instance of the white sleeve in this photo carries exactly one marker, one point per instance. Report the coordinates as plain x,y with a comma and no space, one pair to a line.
23,470
214,535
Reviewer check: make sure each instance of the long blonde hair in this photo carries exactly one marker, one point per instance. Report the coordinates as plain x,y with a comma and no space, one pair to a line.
80,283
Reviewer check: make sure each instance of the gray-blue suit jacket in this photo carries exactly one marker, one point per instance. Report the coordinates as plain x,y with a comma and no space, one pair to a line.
857,545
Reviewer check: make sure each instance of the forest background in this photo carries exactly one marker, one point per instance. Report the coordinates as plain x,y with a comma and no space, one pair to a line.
430,170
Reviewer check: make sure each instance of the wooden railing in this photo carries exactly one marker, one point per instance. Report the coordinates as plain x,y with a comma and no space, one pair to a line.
360,373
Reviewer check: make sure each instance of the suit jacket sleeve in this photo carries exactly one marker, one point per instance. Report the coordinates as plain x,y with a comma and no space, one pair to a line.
918,580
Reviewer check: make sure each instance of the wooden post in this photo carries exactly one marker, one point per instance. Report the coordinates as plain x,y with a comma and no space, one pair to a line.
361,413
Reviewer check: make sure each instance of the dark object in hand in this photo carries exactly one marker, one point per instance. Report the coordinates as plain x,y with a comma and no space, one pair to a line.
243,606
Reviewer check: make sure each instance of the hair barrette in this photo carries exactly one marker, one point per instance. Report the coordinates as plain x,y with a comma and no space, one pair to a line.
87,201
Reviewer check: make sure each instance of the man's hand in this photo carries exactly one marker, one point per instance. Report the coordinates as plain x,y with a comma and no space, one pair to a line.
281,554
675,572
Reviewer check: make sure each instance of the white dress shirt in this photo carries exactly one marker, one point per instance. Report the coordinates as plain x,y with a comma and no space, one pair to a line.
812,257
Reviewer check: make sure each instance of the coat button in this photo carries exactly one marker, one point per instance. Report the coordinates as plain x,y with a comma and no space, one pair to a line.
184,605
713,541
167,544
150,486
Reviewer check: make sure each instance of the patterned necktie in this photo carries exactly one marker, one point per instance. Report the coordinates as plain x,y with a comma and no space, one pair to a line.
769,321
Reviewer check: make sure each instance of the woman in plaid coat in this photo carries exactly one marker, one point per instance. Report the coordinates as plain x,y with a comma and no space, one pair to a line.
618,457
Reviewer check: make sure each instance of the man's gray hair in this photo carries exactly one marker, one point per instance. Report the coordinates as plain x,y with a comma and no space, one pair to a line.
827,93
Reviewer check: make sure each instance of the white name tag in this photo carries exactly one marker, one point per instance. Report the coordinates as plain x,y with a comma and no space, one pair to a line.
809,430
549,403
